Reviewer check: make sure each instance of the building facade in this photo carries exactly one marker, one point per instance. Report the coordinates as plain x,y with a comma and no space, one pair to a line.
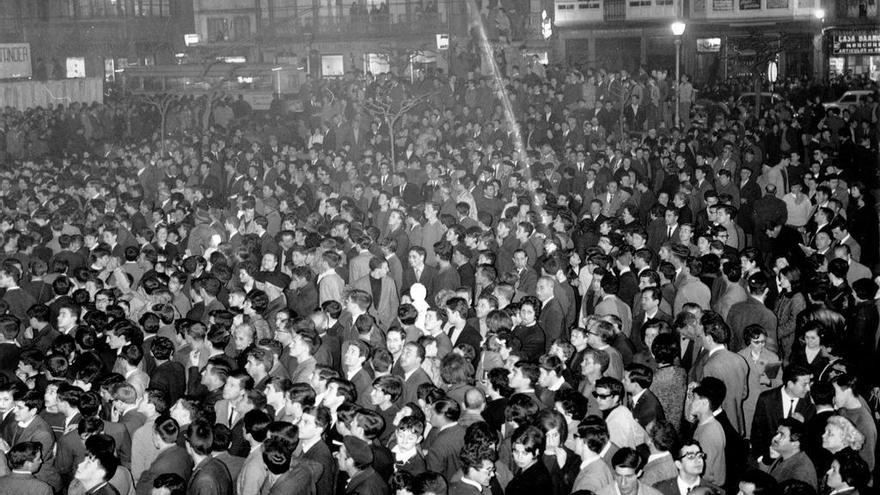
333,37
629,34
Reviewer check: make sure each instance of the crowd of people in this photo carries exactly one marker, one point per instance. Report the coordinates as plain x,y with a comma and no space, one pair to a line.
607,295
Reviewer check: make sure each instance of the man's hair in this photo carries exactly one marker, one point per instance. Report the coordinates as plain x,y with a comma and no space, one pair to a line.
256,423
594,432
167,428
200,436
448,408
175,484
628,458
22,453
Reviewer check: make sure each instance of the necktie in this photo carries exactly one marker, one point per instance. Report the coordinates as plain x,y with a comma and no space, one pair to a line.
791,408
669,233
231,416
418,274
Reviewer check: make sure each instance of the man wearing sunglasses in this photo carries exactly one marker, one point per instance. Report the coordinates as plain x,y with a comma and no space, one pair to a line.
690,462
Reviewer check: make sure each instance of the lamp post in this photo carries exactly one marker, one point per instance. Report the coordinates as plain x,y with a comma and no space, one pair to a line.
677,30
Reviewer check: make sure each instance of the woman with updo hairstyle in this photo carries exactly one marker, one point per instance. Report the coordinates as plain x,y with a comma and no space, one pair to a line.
561,462
841,434
530,476
670,379
789,304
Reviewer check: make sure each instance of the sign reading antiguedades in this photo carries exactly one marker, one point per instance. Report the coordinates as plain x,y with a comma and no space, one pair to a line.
855,42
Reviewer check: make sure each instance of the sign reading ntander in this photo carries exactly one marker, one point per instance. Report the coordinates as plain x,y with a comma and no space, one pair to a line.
15,60
855,42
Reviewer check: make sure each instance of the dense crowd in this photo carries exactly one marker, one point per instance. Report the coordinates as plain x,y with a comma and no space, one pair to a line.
610,294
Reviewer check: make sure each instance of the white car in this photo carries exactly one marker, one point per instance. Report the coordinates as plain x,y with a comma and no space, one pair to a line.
850,98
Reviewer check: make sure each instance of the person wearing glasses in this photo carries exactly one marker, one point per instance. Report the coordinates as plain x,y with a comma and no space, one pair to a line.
477,467
623,428
764,372
690,462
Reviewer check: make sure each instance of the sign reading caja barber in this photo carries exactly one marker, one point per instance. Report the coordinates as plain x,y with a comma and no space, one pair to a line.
855,42
15,60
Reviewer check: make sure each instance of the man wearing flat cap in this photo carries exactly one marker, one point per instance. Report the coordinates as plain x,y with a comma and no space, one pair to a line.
355,458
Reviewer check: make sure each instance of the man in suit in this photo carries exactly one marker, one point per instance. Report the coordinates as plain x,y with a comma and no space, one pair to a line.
130,360
644,404
793,462
383,289
251,473
730,368
527,278
634,115
552,316
689,289
330,284
355,457
419,272
411,371
18,299
303,346
610,304
458,330
690,460
10,327
313,422
95,472
752,311
172,458
24,460
662,439
209,476
789,400
30,427
408,192
169,376
650,305
595,474
238,396
354,355
125,402
444,449
288,475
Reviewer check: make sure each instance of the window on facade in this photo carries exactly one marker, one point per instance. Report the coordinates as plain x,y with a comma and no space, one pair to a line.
640,3
663,2
217,29
241,27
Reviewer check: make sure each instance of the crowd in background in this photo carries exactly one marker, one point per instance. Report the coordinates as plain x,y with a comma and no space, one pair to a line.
555,281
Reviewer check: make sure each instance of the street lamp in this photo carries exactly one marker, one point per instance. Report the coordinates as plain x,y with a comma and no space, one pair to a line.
677,30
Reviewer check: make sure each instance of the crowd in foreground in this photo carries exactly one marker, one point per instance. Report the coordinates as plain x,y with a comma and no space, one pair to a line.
592,301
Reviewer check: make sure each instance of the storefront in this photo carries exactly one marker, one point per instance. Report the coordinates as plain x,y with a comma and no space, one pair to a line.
855,51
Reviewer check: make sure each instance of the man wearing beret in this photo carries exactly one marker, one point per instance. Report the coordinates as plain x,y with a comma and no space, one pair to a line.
355,458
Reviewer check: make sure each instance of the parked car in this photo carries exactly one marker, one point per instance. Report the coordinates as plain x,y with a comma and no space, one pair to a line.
767,99
850,98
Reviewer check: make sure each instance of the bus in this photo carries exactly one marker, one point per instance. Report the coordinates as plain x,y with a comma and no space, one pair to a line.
257,83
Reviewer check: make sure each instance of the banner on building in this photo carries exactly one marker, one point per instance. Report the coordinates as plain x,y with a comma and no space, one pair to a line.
15,60
855,42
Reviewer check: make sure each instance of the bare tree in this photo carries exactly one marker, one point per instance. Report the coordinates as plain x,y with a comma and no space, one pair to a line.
758,49
162,103
389,106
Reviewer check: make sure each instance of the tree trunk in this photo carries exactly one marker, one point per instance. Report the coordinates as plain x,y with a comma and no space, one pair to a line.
392,152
